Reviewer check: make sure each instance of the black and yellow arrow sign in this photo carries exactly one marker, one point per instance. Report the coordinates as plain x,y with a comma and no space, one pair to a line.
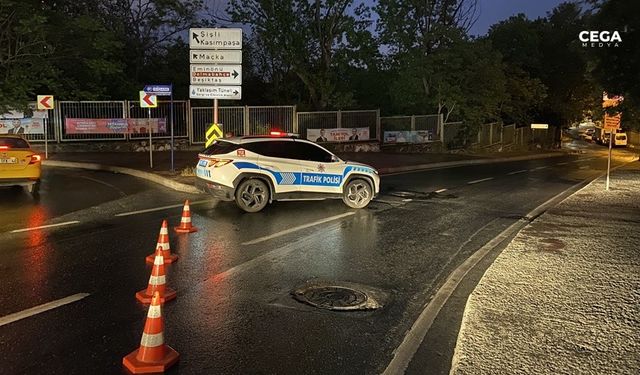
214,132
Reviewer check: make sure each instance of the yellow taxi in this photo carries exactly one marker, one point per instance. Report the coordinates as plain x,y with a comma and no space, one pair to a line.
19,164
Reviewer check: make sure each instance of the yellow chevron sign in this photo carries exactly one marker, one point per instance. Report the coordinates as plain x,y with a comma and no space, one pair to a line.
214,132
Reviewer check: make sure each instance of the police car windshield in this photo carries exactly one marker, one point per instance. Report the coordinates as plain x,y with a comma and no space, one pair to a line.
220,147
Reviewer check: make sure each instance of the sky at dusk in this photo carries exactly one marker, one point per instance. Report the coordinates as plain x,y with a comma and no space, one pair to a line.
494,11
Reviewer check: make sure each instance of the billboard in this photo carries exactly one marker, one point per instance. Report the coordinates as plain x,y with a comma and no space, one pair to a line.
338,134
114,125
22,126
408,136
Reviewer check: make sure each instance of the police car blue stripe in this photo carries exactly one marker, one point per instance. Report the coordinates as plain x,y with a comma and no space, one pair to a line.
307,179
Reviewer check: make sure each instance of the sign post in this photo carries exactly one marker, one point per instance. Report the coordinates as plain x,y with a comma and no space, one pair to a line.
215,56
164,90
612,124
149,101
45,102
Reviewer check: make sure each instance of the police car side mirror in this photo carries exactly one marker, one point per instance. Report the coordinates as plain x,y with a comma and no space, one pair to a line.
334,159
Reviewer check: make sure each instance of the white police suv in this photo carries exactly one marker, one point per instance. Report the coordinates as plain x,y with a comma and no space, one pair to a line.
256,170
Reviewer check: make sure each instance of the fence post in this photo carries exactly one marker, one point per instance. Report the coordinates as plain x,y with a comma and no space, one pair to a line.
441,127
490,134
413,122
245,120
295,119
57,122
189,116
339,119
126,113
378,129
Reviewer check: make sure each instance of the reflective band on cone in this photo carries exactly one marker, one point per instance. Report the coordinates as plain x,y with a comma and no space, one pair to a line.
157,282
185,221
163,242
153,355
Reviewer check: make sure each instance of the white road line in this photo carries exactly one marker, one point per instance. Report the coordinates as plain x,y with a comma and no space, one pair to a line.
479,181
516,172
407,200
441,191
563,163
41,308
158,208
291,230
45,226
539,168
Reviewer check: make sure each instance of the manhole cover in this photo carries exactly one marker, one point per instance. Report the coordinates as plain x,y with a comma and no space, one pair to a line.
332,297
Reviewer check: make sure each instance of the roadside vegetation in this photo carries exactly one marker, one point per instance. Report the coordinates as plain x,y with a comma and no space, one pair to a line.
402,56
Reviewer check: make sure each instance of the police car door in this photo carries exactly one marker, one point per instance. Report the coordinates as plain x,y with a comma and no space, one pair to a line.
321,171
277,159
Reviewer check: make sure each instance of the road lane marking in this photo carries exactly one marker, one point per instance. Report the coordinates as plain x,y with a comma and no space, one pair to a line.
479,181
563,163
407,200
41,308
539,168
44,226
441,191
294,229
159,208
516,172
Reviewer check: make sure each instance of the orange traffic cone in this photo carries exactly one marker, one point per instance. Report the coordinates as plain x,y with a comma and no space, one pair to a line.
157,282
163,242
185,221
153,355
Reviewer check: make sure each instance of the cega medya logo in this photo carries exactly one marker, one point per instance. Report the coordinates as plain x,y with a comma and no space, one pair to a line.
593,38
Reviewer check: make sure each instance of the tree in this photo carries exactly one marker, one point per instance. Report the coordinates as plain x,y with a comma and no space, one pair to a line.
312,39
23,52
618,68
147,28
518,40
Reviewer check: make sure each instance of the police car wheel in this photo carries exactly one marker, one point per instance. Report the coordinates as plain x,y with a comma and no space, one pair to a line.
357,193
252,195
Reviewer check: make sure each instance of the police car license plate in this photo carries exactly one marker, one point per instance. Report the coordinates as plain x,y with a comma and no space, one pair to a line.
8,161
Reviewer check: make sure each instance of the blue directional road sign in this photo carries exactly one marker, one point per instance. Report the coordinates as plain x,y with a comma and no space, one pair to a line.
158,90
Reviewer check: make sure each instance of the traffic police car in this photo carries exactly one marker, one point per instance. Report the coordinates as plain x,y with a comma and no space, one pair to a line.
256,170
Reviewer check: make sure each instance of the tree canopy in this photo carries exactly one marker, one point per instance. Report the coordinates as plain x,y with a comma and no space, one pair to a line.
402,56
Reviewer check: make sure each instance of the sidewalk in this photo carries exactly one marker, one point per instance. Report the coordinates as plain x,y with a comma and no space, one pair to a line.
564,296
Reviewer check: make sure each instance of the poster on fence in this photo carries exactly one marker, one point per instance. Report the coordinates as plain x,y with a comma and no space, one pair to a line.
408,136
338,134
27,125
141,125
114,125
18,122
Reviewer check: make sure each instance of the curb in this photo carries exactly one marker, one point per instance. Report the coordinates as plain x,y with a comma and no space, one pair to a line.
460,163
191,189
178,186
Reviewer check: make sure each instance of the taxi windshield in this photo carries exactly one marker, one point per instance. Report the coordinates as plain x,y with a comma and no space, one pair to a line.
13,142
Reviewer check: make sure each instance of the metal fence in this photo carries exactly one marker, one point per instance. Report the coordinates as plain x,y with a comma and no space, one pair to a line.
489,134
340,119
88,110
509,134
163,111
231,118
247,120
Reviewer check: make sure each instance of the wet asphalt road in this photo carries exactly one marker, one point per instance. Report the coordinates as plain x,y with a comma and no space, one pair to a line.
234,312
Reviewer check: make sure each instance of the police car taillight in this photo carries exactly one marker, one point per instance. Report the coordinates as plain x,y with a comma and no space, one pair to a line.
4,148
277,134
